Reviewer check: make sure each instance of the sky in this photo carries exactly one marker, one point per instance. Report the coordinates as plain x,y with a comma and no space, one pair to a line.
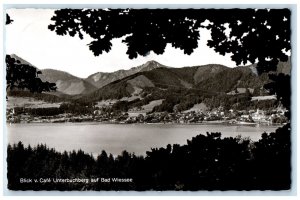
29,38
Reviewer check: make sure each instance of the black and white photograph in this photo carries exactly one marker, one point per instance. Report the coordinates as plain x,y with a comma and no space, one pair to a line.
148,98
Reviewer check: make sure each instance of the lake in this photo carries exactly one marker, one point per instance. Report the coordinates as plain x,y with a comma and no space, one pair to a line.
114,138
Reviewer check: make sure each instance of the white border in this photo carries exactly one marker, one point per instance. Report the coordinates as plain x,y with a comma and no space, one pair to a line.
155,3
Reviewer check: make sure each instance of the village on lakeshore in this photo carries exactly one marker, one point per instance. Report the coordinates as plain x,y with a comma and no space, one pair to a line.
198,114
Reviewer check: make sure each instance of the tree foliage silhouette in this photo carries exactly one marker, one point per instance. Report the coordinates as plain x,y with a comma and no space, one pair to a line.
24,76
206,162
8,19
257,35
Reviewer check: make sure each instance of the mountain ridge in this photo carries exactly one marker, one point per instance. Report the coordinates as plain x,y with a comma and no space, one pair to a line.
121,83
100,79
66,82
211,78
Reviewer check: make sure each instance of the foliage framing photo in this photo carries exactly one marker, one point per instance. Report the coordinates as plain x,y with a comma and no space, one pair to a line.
260,36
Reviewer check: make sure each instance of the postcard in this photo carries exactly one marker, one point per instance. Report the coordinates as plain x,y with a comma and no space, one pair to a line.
148,99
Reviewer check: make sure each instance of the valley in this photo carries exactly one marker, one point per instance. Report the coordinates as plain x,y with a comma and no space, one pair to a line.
152,93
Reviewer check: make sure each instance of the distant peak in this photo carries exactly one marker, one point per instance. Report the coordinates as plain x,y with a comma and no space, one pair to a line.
151,62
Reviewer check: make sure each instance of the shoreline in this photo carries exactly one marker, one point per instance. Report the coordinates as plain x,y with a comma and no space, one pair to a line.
219,122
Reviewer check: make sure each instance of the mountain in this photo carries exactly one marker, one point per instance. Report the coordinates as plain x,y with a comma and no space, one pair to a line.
203,79
72,85
228,79
101,79
206,79
211,78
67,83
